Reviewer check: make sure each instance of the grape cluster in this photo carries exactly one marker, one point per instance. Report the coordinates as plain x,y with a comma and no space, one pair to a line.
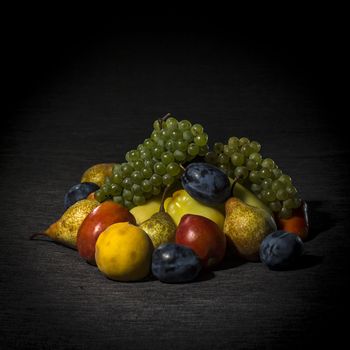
154,164
241,158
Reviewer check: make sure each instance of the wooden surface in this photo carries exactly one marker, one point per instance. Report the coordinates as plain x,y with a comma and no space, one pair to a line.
90,103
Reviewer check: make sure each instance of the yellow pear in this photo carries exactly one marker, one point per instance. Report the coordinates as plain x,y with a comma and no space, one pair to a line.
246,226
65,230
97,173
160,227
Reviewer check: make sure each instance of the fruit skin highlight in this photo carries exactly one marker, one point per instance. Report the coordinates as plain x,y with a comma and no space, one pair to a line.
124,252
95,223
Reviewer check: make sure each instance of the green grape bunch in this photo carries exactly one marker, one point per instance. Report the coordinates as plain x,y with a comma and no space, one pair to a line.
155,163
241,158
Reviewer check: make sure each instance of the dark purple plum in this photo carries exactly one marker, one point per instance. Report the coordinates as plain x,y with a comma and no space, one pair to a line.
78,192
206,183
175,263
280,250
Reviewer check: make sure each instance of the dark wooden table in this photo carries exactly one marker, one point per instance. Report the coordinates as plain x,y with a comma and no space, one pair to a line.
80,100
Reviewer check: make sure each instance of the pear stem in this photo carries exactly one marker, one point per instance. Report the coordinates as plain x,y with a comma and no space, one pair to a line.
161,208
235,180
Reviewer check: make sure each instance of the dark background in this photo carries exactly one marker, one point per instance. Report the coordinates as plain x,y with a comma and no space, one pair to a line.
83,89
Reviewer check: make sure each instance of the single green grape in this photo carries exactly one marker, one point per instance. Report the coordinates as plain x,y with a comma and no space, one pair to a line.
134,155
193,149
138,165
167,179
218,147
256,188
118,199
247,150
276,173
146,154
165,133
176,135
201,139
126,169
173,169
147,172
268,195
170,145
127,194
265,173
100,195
266,183
146,185
136,177
243,140
291,190
241,172
156,179
117,178
157,125
159,168
268,163
187,136
254,177
157,152
139,199
282,194
237,159
223,159
179,155
149,144
251,164
156,190
116,189
277,185
287,180
128,204
181,145
227,150
255,146
137,189
171,123
256,157
196,129
167,157
203,150
211,157
233,142
127,183
184,125
275,206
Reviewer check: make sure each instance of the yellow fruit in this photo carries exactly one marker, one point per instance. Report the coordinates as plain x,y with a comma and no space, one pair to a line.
65,230
145,211
97,173
124,252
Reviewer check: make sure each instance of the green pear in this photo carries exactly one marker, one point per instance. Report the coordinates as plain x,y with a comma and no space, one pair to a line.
241,192
160,227
246,226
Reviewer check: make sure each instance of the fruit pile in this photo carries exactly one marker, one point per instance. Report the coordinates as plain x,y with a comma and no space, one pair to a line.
175,207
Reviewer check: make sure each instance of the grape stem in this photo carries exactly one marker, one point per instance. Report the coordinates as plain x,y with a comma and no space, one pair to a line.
163,119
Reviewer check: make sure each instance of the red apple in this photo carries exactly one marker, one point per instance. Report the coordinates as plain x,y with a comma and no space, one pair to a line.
204,237
95,223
